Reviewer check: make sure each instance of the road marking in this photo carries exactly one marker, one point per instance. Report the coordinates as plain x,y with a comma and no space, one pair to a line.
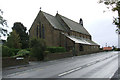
70,71
111,75
89,64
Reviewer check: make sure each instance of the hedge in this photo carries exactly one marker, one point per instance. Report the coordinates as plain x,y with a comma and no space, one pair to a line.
117,49
7,52
56,49
22,53
15,51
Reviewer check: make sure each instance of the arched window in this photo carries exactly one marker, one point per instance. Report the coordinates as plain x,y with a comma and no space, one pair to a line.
40,30
37,31
43,32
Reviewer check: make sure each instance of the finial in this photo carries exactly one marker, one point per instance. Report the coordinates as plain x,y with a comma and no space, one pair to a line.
57,12
40,8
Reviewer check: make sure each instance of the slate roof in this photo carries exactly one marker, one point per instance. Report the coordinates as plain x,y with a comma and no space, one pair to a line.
53,21
81,40
75,26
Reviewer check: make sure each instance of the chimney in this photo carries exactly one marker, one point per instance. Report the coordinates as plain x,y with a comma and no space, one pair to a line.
81,21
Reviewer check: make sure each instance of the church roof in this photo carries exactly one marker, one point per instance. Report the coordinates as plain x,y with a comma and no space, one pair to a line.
74,25
81,40
53,21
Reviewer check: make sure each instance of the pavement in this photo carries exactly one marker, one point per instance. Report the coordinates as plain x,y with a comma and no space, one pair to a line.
103,65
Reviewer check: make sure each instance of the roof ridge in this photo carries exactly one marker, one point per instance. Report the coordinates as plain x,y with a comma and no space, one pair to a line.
47,13
53,21
75,23
69,19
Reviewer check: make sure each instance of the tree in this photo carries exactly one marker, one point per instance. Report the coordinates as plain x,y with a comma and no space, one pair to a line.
38,47
13,40
113,5
3,22
21,30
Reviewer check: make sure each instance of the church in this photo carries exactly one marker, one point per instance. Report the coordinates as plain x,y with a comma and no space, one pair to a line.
60,31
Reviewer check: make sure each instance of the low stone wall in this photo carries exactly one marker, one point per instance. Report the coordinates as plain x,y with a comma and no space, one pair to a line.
8,61
88,52
53,56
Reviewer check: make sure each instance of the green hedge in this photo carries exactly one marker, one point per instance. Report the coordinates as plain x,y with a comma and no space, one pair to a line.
56,49
117,49
7,52
22,53
15,51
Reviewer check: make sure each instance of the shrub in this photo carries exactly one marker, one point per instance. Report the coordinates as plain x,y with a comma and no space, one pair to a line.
22,53
117,49
56,49
13,40
28,49
15,51
7,52
38,47
46,53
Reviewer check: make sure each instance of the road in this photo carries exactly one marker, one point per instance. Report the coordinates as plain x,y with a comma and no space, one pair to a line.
98,65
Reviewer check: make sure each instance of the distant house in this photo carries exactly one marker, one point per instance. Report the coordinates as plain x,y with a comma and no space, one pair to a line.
60,31
107,48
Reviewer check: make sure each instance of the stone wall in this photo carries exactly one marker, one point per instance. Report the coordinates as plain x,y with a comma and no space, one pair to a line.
66,42
86,49
8,61
53,56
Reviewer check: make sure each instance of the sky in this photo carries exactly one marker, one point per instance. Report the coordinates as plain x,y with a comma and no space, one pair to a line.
97,23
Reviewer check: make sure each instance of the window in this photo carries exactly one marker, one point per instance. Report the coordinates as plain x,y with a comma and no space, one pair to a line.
80,47
40,30
43,32
37,31
60,39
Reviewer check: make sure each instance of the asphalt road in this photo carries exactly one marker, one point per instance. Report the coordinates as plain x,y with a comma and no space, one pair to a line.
98,65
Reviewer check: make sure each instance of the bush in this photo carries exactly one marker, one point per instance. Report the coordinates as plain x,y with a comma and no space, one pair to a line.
38,47
7,52
22,53
28,49
15,51
46,53
56,49
117,49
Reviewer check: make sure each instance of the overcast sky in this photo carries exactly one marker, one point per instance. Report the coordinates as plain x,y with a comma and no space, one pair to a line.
97,23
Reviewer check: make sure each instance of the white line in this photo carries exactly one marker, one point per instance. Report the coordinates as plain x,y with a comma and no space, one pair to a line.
67,72
91,63
113,73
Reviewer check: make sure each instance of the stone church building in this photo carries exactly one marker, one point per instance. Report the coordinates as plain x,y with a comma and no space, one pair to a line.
60,31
